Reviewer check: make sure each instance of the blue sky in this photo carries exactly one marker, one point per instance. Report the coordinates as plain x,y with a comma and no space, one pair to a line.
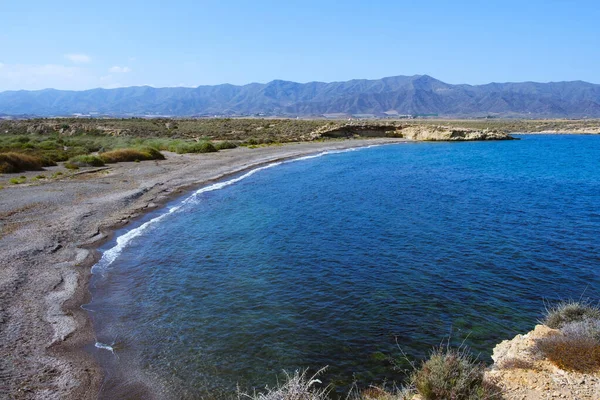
81,45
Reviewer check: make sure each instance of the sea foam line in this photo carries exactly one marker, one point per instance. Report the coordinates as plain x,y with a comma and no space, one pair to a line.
110,255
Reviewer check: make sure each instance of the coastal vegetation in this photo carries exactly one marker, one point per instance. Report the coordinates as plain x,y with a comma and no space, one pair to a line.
577,346
11,162
31,145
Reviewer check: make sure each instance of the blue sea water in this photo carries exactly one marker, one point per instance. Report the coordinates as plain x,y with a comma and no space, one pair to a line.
344,261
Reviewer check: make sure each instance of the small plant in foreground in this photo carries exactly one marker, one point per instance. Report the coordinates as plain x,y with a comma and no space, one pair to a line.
570,311
296,387
453,374
382,393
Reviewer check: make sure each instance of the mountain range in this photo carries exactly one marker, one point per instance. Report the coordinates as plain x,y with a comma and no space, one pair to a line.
402,95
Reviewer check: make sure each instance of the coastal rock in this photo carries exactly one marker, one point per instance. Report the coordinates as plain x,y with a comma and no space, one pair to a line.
445,133
410,132
524,374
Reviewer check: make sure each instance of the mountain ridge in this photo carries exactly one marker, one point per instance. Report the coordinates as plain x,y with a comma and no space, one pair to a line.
404,95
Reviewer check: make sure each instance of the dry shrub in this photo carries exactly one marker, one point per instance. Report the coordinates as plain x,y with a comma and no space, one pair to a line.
18,162
132,154
573,353
382,393
296,387
453,374
570,311
516,363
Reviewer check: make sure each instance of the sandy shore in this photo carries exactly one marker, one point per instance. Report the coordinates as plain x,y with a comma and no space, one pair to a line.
49,230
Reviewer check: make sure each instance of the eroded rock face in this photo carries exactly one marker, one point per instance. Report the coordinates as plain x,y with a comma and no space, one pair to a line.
411,132
524,374
444,133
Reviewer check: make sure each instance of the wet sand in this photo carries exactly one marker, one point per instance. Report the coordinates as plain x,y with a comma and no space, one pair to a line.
48,234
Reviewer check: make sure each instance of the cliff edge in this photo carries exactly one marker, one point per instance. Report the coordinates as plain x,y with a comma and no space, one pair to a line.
524,373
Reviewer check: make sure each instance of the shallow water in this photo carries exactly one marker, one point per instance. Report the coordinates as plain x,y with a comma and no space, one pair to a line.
343,259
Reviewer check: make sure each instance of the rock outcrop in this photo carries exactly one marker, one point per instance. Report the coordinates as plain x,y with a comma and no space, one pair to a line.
410,132
524,374
444,133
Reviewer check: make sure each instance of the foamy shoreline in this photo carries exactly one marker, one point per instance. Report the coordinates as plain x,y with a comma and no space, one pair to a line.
50,232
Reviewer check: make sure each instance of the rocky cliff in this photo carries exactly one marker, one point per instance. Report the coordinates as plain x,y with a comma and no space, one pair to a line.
524,374
411,132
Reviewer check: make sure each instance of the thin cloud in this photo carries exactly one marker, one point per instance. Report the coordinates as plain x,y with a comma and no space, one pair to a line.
24,76
78,58
119,70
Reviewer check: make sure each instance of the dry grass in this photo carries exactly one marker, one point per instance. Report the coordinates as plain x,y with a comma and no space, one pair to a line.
517,363
571,353
383,393
17,162
123,155
570,311
296,387
577,347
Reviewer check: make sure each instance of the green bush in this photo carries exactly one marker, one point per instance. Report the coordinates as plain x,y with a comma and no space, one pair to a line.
452,374
193,147
570,311
133,154
71,166
225,145
86,161
17,181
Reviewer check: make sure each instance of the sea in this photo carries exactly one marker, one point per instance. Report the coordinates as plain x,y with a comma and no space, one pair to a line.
361,261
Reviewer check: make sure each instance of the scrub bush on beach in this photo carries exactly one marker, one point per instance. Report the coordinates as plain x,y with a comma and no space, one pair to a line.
86,161
17,162
193,147
225,145
133,154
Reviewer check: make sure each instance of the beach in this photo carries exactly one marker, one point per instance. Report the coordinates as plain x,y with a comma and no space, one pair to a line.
49,232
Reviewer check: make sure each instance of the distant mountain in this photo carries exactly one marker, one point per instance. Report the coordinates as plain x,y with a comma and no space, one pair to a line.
419,94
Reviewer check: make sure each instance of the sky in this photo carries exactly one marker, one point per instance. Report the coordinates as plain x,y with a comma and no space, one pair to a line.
78,45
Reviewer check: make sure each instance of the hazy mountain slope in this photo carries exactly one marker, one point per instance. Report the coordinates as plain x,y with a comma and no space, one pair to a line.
419,94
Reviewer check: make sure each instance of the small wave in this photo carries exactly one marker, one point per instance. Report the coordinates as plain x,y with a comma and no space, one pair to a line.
110,255
104,347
